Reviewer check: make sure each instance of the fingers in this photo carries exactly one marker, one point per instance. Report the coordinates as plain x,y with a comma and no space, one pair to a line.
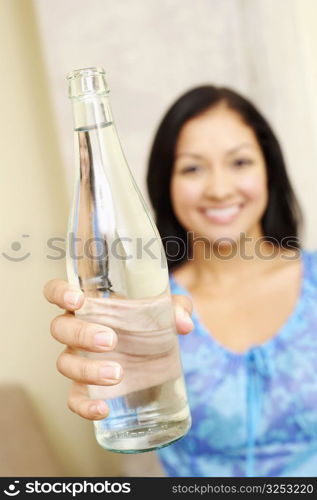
63,294
80,403
183,309
88,371
74,332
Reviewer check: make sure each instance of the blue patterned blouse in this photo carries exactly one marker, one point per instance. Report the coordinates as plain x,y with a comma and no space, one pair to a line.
253,414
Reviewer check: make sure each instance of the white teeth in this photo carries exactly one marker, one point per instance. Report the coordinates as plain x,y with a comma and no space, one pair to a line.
225,212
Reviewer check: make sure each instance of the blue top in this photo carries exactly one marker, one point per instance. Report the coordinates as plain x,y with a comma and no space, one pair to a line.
253,414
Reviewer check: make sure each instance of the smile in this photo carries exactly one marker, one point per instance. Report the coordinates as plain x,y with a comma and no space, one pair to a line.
222,215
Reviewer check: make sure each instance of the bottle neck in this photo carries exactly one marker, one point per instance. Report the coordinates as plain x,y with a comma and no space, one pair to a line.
91,112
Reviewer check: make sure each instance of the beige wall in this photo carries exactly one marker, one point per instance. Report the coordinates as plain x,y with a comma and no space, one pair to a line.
152,51
33,201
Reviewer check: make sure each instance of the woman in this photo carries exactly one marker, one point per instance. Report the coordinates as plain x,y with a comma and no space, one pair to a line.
218,185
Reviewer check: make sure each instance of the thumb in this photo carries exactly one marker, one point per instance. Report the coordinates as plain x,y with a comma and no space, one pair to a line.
183,309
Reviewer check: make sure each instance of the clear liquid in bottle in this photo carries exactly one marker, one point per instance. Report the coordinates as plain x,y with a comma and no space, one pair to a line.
115,255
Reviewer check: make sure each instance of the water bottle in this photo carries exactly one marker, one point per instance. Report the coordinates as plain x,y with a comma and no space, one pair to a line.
115,255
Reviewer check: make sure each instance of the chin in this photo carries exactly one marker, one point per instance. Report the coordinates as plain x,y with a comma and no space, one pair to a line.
223,239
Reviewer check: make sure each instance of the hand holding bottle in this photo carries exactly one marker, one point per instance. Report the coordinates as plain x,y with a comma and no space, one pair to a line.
77,334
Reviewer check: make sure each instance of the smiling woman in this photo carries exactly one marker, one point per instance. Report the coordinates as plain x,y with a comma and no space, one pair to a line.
218,184
225,169
216,159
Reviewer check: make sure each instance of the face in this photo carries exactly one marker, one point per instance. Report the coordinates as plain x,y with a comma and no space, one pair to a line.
219,180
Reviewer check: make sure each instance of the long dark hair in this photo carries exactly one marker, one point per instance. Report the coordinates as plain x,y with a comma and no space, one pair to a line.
282,218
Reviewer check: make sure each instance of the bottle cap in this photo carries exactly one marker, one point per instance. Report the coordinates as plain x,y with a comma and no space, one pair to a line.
87,82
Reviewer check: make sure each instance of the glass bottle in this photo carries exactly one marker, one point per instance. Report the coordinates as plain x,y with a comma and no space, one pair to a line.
115,255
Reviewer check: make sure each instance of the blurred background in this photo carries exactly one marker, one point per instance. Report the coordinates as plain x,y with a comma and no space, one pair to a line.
152,52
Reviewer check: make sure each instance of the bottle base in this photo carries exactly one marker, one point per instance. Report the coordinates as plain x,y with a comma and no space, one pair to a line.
143,439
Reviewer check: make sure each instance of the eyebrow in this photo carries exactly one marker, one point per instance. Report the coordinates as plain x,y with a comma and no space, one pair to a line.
229,152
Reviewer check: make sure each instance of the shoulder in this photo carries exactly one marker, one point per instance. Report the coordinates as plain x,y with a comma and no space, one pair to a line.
175,285
310,261
179,280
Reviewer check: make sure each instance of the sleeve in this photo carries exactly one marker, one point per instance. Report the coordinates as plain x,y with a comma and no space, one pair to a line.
312,264
176,288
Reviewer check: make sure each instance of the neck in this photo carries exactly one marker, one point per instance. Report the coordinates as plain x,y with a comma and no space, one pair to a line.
225,263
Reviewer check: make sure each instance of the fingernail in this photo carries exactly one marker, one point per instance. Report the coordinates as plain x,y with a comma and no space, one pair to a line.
104,339
110,372
72,297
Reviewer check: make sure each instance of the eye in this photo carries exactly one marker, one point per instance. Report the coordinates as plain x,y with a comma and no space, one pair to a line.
190,169
241,162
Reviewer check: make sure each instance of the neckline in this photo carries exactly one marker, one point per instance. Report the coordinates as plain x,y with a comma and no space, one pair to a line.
281,335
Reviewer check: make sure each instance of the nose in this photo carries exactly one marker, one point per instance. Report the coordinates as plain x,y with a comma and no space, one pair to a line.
219,185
